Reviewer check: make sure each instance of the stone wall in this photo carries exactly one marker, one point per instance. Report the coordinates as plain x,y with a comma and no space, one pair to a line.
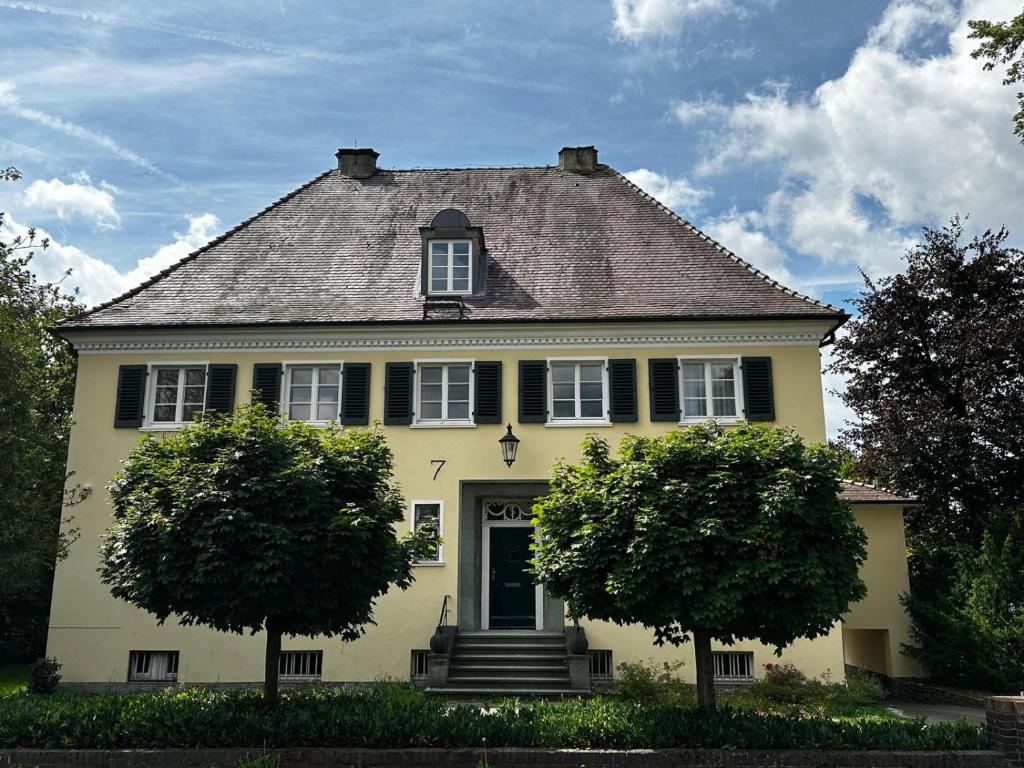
499,758
1005,720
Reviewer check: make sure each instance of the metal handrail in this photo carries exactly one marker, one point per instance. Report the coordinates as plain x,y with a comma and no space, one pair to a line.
442,620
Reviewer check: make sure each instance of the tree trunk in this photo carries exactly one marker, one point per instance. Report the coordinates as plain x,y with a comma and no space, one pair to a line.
705,671
270,669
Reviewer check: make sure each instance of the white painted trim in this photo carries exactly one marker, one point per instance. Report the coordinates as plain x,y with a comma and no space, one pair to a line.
578,421
440,529
149,401
737,362
421,423
485,571
284,400
641,334
450,266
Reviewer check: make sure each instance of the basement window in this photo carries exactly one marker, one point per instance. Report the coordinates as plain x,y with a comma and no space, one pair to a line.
300,666
418,666
153,666
733,666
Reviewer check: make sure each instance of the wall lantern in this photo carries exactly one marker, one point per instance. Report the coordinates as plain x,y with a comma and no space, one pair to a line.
509,445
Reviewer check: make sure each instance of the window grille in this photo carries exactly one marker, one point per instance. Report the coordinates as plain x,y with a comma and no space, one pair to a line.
601,666
733,666
153,666
418,666
300,665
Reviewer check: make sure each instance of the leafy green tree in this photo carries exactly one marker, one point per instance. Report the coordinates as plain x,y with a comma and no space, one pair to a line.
1002,44
724,534
37,381
246,523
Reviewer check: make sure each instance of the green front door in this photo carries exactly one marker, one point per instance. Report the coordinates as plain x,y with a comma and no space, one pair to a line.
512,602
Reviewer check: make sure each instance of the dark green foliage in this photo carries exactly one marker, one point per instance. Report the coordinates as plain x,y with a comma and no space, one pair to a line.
37,380
785,684
974,636
738,532
1002,43
393,717
647,683
245,523
44,676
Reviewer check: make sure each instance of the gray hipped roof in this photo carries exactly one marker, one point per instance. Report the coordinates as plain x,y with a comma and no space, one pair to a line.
561,246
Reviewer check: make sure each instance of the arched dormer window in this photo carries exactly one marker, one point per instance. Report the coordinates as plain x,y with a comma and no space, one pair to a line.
453,256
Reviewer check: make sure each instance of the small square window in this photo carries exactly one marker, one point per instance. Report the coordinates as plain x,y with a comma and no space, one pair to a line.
733,666
578,390
427,514
710,389
313,392
451,267
300,666
443,392
179,394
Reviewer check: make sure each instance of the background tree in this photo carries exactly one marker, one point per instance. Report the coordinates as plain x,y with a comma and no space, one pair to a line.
724,534
36,394
935,367
244,523
1002,44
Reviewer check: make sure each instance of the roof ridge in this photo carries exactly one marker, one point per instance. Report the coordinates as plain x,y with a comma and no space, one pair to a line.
197,252
707,238
417,169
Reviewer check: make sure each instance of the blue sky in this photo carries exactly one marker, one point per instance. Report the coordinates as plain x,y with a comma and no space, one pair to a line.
812,137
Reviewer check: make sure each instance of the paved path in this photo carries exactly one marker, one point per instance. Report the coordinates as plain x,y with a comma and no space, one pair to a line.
936,713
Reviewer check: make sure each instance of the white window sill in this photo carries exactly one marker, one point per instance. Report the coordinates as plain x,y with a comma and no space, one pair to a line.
443,425
726,420
164,427
578,423
428,564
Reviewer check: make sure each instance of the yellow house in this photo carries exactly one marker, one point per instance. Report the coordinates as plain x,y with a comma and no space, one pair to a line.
455,306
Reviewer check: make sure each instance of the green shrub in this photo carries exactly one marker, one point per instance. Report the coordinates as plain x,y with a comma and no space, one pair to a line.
44,676
399,716
785,684
262,761
646,683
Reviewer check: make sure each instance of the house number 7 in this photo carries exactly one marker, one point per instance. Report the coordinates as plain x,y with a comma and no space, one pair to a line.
439,463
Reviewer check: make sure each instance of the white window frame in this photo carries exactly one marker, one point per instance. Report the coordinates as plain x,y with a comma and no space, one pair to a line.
150,400
316,656
439,503
737,362
286,393
726,658
418,421
577,421
149,677
450,291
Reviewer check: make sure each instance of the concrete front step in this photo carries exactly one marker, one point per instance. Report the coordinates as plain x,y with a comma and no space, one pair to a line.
478,694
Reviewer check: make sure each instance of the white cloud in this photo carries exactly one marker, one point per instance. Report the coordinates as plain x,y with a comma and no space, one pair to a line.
639,19
677,194
896,142
740,233
78,198
97,280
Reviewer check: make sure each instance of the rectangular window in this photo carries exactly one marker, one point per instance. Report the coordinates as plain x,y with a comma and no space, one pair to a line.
179,393
427,514
418,668
710,389
450,270
153,666
601,667
443,393
313,391
733,666
296,666
579,390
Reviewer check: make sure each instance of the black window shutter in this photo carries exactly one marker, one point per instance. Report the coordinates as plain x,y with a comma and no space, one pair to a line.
533,391
398,384
131,396
266,383
487,394
220,387
663,375
622,386
355,394
758,390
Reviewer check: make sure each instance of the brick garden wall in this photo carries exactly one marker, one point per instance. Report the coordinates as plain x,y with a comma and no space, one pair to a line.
1005,720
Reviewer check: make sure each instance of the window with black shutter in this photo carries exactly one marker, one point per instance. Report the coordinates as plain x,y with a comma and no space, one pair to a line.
266,384
487,398
663,383
131,396
220,387
398,393
533,396
758,389
355,394
622,385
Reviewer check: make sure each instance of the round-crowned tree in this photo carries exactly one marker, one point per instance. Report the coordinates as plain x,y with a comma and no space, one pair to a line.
708,532
247,523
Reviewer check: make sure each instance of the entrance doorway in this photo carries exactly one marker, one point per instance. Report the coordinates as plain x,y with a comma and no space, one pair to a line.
510,599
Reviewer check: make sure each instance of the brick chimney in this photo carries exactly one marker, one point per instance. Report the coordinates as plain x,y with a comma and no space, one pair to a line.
357,163
578,159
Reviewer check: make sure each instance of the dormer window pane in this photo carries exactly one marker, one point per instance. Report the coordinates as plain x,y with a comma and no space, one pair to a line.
450,266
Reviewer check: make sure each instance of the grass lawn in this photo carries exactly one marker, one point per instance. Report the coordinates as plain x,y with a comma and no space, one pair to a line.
13,678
